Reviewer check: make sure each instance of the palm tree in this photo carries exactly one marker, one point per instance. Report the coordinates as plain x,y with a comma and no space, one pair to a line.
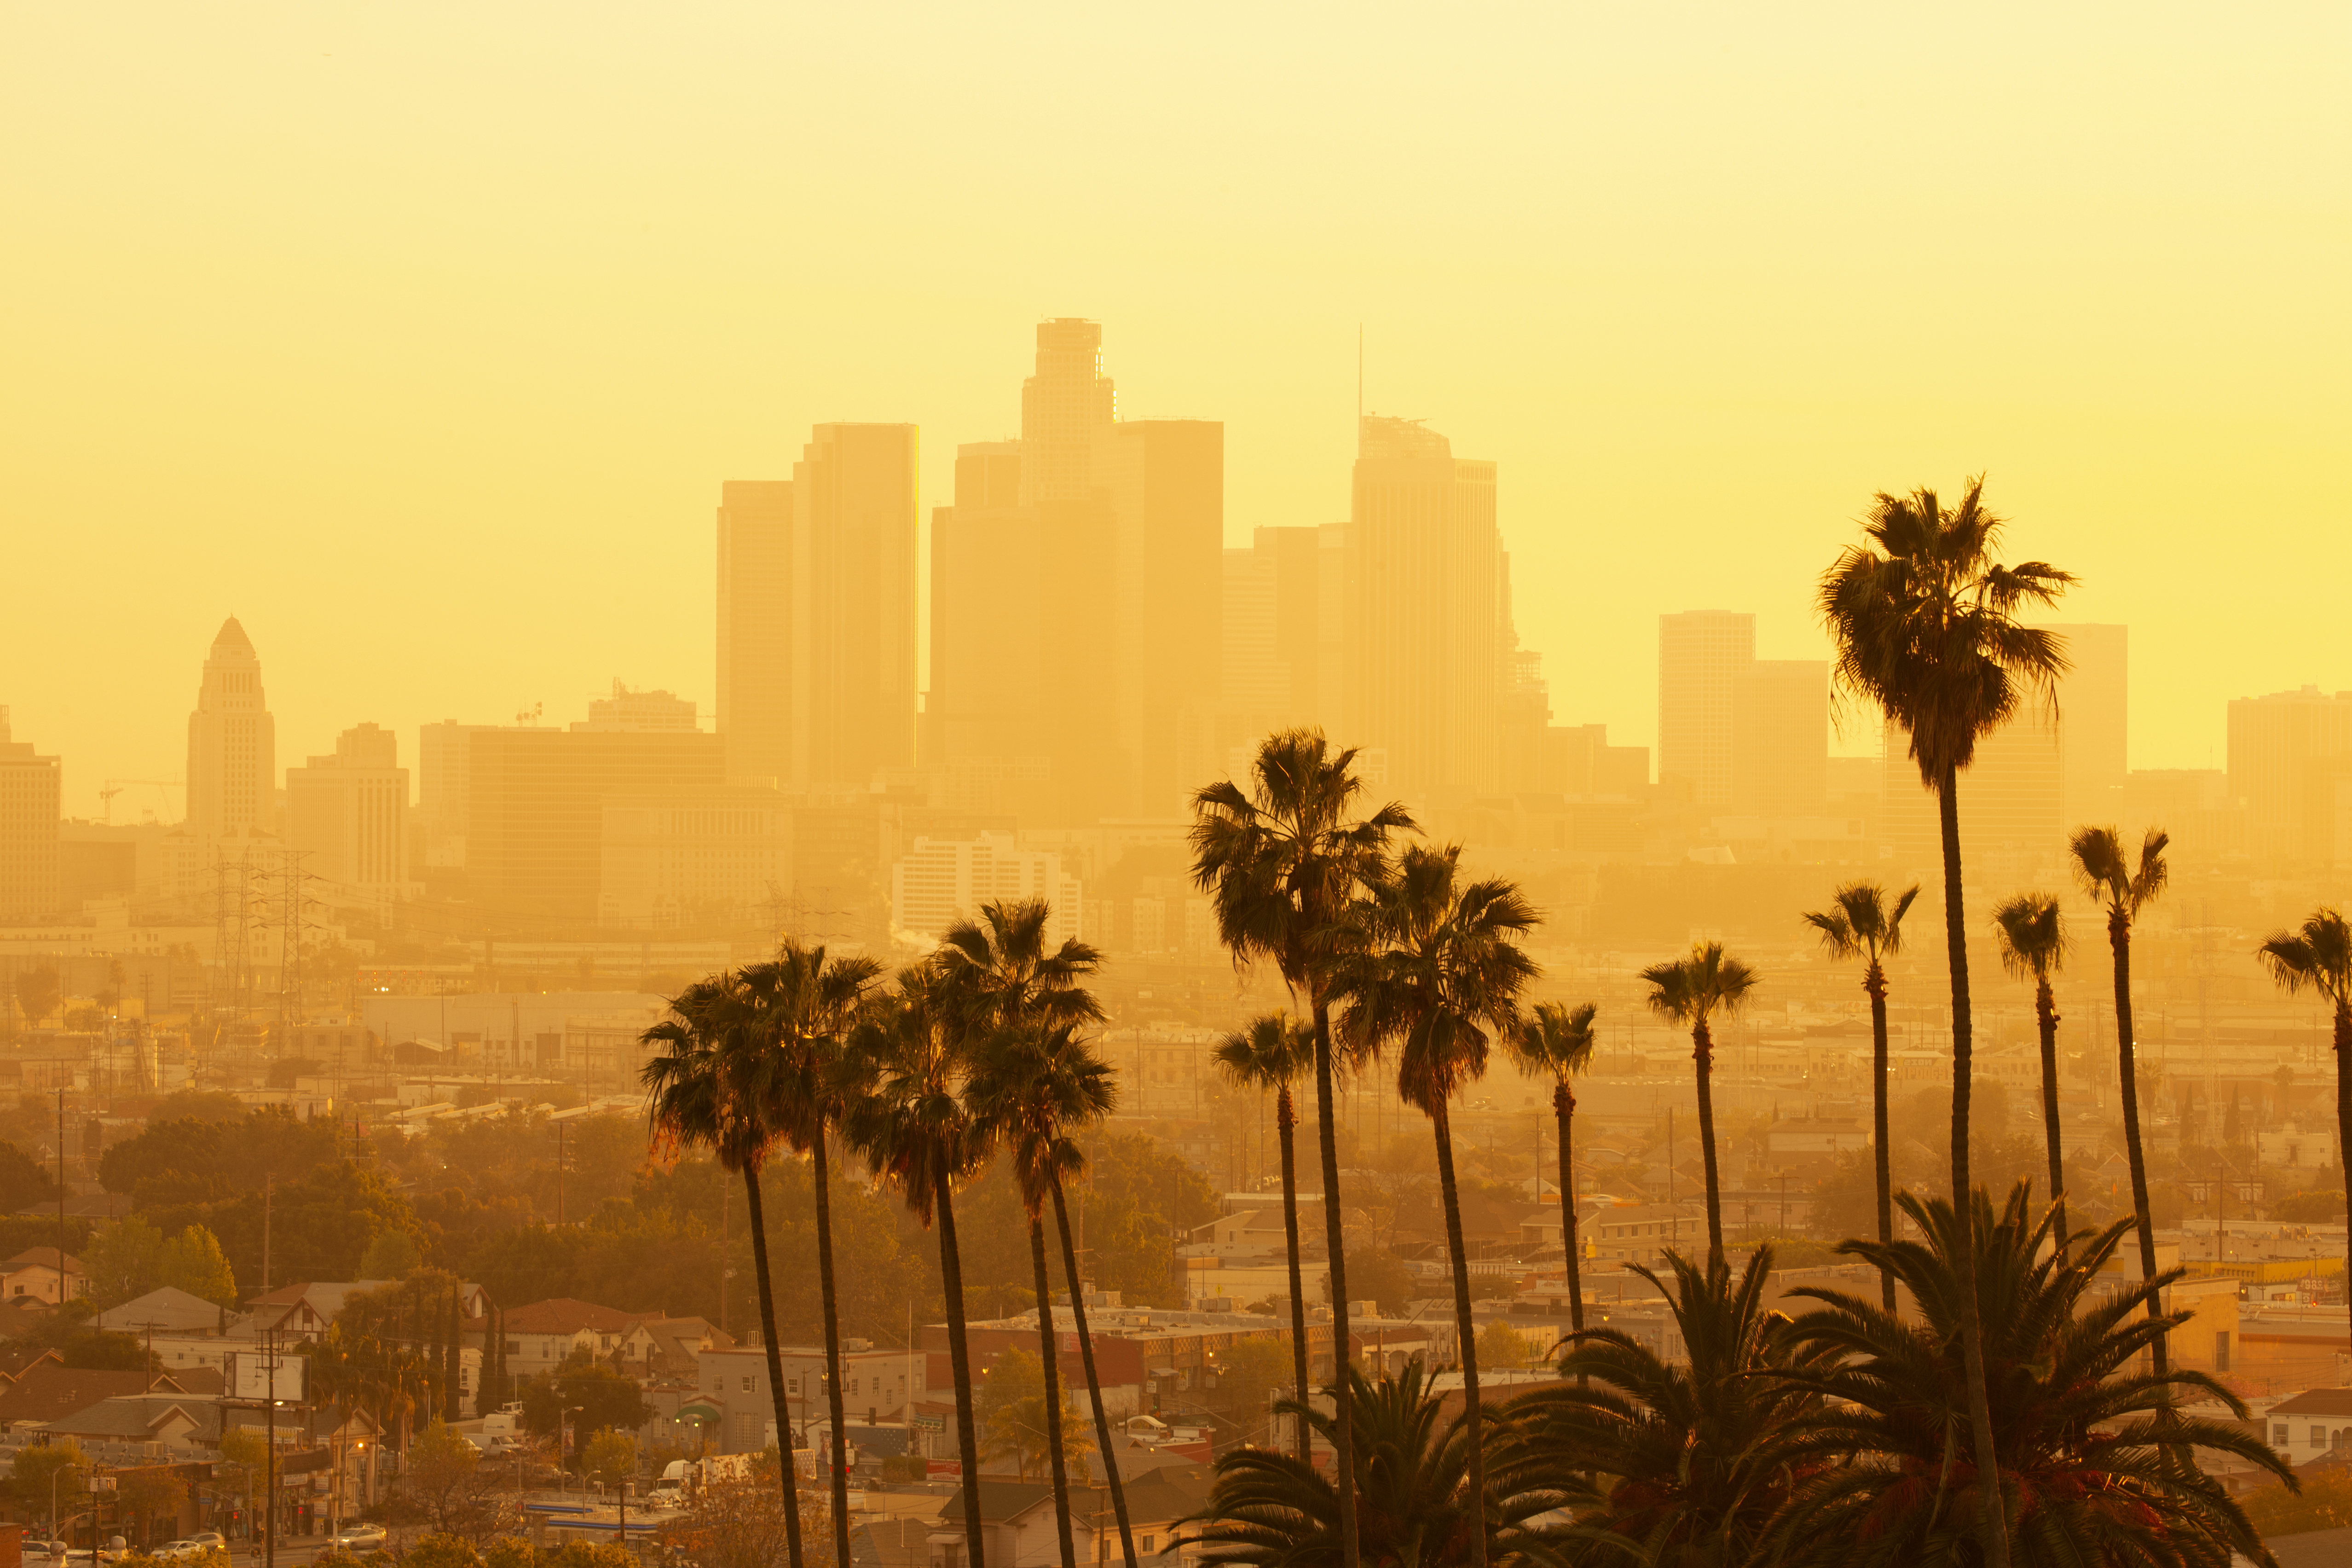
1689,1457
1926,627
1557,1042
1440,974
1029,1088
902,1091
1860,924
1272,1053
805,1003
2080,1438
2033,946
2317,956
1692,991
1282,863
1270,1509
2111,879
708,1087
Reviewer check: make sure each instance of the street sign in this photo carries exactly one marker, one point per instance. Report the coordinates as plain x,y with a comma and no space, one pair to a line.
928,1423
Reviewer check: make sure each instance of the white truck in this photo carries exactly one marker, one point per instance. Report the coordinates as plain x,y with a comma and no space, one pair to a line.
683,1480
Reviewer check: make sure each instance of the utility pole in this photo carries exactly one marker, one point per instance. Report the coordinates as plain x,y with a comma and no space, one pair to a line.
561,1129
61,1194
269,1486
267,1182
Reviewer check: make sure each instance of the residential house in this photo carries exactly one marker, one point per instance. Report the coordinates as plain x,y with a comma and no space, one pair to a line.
1017,1521
33,1274
543,1334
48,1393
2311,1423
670,1347
304,1308
733,1384
166,1311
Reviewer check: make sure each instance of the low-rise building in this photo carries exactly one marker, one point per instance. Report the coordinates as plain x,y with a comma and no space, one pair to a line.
733,1384
34,1274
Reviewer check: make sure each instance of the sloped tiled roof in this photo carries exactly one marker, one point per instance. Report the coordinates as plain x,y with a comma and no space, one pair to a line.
564,1315
51,1392
168,1306
41,1258
2316,1402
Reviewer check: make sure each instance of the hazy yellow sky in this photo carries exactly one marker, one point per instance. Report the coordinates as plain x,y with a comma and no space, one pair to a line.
421,335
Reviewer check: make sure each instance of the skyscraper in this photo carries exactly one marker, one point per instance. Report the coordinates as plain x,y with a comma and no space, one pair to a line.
1781,737
2093,721
853,603
1426,643
1702,654
350,813
232,743
2289,756
29,790
755,654
1072,583
1285,648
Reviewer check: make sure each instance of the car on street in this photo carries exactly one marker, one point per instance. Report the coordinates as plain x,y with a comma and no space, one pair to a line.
357,1535
212,1538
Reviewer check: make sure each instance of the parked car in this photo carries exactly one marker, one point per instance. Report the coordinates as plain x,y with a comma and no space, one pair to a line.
358,1535
209,1538
176,1550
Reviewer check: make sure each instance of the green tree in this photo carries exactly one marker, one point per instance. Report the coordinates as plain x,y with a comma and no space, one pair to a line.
38,994
1250,1374
2107,874
1013,1407
2032,938
392,1254
440,1465
600,1397
1273,1052
1283,862
1440,977
1692,991
1377,1275
443,1550
1925,628
1501,1345
123,1261
23,1181
2084,1443
2317,956
1860,923
193,1261
710,1087
610,1457
41,1467
1556,1042
904,1081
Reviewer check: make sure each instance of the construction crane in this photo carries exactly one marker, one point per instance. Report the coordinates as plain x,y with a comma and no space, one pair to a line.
114,787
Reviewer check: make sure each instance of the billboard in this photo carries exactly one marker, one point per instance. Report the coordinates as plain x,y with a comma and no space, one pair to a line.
265,1374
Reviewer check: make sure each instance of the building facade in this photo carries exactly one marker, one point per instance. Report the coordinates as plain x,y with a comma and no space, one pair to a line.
347,813
30,785
232,743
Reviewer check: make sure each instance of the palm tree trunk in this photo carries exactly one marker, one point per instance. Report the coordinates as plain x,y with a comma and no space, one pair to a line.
1049,1362
1955,940
1094,1381
839,1463
2344,1102
1465,1331
1873,984
2046,1015
791,1482
960,1366
1286,1118
1335,1240
2119,939
1703,1052
1563,1104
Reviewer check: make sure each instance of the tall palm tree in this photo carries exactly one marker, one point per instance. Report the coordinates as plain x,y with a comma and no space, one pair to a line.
708,1087
1282,862
1859,923
804,1004
2317,956
902,1091
1029,1088
1692,991
1924,623
2107,874
1272,1053
1557,1042
1441,976
2082,1437
2033,947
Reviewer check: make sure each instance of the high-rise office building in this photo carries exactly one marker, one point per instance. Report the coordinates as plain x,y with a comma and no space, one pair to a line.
755,645
348,814
2291,771
696,857
853,607
1781,737
232,743
1425,641
2013,799
30,785
1702,654
939,881
1072,583
1285,647
535,807
2093,721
